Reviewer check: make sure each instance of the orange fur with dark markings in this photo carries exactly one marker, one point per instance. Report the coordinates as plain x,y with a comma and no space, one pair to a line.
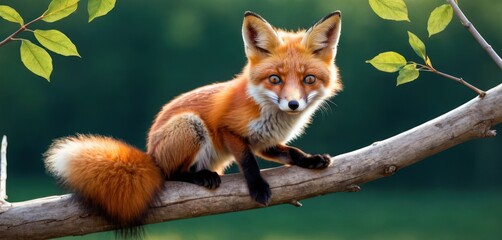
175,145
222,106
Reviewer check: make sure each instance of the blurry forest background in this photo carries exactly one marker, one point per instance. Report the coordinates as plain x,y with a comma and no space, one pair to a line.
144,53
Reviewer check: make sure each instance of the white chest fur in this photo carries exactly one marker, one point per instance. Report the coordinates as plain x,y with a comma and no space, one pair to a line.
275,126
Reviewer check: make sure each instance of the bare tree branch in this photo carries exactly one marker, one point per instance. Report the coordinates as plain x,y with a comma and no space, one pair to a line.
57,216
3,173
470,27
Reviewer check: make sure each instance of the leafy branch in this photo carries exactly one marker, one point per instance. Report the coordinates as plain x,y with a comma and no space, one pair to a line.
438,20
37,59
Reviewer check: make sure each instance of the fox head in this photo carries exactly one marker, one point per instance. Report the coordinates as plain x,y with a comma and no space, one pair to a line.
293,71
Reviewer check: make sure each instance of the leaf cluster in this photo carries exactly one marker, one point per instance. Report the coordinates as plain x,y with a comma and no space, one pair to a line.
36,58
391,61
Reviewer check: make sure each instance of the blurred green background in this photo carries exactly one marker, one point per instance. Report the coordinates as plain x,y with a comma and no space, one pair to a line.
144,53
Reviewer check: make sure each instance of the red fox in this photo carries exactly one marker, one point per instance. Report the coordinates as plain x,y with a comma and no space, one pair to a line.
199,133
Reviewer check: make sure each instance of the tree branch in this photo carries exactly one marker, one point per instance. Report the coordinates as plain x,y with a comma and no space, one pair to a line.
3,171
57,216
468,25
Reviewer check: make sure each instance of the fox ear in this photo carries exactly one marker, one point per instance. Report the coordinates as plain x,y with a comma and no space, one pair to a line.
259,36
322,38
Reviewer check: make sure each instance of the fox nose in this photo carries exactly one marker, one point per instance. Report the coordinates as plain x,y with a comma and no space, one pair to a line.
293,104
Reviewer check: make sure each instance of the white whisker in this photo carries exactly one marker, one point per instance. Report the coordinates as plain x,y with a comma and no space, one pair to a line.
312,96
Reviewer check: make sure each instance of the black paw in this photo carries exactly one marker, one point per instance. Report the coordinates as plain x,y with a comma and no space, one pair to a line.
260,191
207,179
318,161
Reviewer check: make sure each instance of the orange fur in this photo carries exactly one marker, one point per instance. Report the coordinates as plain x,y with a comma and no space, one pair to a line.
228,107
110,175
208,126
220,106
175,144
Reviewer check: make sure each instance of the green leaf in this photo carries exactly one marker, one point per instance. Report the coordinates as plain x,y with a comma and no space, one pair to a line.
417,45
57,42
98,8
59,9
407,74
439,19
388,62
36,59
390,9
11,15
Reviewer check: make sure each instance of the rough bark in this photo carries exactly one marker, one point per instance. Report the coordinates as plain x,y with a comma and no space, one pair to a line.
57,216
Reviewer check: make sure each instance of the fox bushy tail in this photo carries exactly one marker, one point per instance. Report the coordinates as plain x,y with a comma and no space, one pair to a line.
109,175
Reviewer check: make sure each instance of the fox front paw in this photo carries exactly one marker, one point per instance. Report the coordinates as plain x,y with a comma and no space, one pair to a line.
260,191
207,179
318,161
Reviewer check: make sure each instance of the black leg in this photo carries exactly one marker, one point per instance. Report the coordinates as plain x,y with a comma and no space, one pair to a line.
258,187
203,178
290,155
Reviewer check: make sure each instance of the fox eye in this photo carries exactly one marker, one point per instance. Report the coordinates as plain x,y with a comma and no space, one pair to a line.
309,79
274,79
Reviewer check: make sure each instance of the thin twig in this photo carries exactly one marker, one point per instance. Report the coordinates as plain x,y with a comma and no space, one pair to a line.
427,68
20,30
470,27
480,92
296,203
